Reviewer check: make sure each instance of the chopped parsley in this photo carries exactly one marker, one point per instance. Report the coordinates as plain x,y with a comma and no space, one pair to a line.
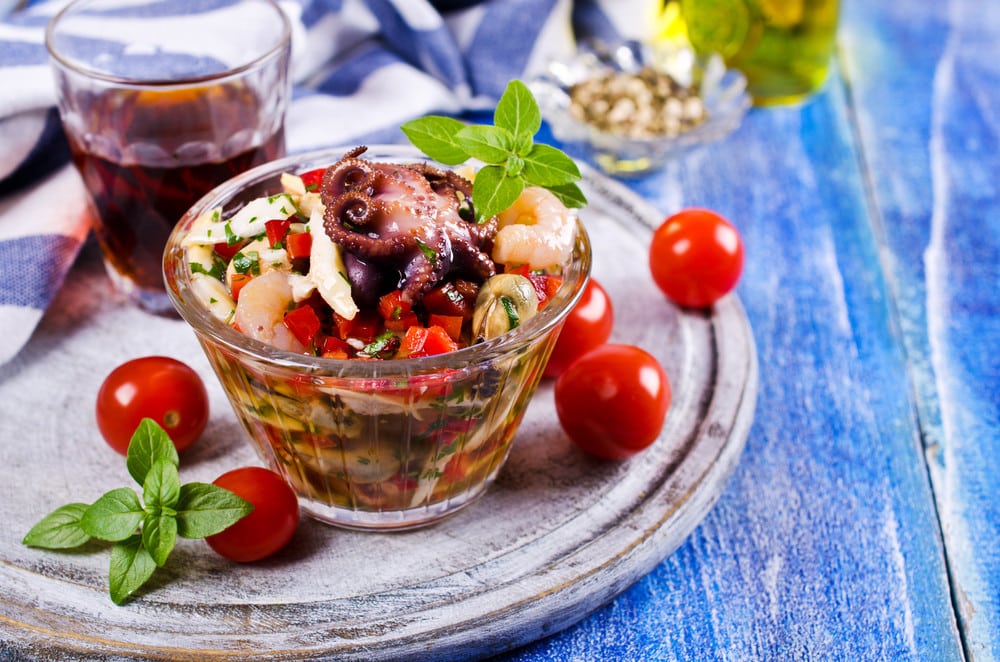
513,319
384,346
247,263
428,252
231,237
216,271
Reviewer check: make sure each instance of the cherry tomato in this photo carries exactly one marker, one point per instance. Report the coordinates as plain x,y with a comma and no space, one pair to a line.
156,387
696,257
612,401
270,525
587,326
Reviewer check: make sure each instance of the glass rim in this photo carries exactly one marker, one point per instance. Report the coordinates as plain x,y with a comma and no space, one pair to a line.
176,278
282,45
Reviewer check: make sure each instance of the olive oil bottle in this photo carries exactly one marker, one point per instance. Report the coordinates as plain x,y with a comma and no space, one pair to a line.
782,46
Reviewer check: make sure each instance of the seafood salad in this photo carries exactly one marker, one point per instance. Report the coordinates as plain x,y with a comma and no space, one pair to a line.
375,263
368,260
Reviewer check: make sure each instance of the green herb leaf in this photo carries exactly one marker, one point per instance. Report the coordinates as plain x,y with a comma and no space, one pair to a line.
428,252
204,509
513,319
248,262
512,159
517,111
494,191
489,144
385,346
162,486
60,529
149,443
545,165
159,535
569,194
231,237
131,567
435,136
144,535
115,516
217,270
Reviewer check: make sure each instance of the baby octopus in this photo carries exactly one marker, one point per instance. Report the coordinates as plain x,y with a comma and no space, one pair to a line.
409,217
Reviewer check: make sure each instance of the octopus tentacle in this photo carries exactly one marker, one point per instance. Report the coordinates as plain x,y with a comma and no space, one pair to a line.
416,218
349,175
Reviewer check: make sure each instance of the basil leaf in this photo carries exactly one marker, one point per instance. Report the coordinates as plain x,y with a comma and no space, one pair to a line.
489,144
159,535
60,529
509,145
435,137
162,486
546,166
517,111
149,444
493,191
569,194
131,566
205,509
115,516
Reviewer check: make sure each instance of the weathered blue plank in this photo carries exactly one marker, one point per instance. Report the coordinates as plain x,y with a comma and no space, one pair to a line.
826,542
935,167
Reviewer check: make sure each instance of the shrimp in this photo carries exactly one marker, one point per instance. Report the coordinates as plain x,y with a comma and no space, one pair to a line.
537,230
261,308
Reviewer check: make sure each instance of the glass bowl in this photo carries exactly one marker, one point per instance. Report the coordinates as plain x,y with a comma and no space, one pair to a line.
722,92
374,444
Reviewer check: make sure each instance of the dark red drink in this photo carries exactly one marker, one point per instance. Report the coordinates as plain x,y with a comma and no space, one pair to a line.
175,146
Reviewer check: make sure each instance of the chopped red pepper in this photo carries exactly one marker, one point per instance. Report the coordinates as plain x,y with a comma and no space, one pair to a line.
393,306
450,323
403,322
313,178
413,342
276,230
420,341
334,348
365,326
298,245
304,324
438,341
226,251
236,284
451,298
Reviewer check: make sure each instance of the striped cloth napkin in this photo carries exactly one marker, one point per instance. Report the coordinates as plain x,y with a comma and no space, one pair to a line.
359,69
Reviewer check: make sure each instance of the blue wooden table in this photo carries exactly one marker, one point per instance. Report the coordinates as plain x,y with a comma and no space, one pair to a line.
863,521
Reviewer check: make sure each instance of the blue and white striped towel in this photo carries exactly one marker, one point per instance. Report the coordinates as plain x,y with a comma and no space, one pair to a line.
359,67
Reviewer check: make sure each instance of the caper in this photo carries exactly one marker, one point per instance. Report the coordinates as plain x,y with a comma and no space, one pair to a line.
505,301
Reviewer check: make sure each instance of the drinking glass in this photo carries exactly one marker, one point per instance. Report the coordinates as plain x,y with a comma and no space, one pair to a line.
162,101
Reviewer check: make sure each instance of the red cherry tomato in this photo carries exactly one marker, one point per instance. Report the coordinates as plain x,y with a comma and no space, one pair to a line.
587,326
696,257
156,387
612,401
270,525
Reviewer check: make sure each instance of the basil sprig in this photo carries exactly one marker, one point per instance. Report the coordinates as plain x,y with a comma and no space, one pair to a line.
512,158
143,532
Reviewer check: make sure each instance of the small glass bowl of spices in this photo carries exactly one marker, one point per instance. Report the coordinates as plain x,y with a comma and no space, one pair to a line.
631,107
